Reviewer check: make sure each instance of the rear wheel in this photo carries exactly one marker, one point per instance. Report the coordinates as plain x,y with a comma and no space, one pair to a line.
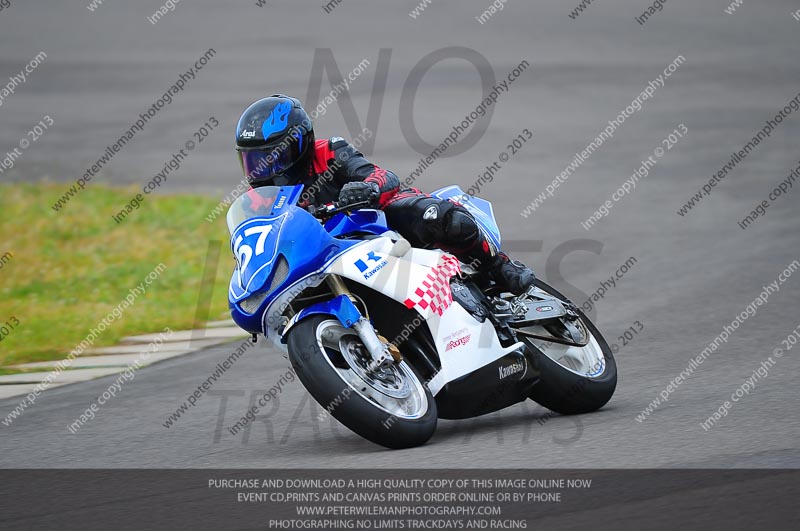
389,406
572,379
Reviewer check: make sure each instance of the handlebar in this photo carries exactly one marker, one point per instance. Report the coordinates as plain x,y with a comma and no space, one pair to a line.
331,209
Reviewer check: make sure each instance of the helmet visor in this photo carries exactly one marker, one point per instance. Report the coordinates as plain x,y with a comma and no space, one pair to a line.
269,164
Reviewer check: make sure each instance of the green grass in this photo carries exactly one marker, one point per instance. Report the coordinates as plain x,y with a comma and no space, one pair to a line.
71,268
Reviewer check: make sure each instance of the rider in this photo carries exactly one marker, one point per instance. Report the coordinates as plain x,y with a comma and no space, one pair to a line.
276,146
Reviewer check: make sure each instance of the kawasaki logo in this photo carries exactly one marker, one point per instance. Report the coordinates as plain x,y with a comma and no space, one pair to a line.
508,370
457,342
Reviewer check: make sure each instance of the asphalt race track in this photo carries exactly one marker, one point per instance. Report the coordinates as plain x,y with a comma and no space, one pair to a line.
693,274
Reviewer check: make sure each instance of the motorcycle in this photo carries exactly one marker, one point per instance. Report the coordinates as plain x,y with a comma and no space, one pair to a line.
388,338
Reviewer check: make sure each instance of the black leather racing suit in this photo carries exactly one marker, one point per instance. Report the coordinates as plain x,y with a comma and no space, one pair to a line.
423,220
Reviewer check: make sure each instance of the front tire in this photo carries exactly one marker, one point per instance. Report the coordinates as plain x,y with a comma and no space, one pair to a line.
567,386
390,407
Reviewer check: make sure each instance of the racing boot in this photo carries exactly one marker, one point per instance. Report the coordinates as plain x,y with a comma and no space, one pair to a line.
509,274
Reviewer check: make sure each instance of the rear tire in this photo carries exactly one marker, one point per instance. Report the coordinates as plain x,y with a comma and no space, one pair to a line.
563,390
342,391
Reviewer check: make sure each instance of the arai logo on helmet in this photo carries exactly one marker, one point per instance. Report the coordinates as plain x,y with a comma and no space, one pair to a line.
248,134
277,119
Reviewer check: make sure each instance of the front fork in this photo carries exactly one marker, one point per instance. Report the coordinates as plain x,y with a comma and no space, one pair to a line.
382,352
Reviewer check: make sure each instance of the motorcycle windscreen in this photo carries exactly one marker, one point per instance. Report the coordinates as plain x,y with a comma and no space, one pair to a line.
480,209
264,201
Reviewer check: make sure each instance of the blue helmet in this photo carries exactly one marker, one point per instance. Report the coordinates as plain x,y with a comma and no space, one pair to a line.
274,139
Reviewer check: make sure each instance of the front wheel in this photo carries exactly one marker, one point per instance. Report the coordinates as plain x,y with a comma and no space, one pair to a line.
572,379
388,406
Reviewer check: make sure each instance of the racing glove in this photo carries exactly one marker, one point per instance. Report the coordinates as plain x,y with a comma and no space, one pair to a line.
358,192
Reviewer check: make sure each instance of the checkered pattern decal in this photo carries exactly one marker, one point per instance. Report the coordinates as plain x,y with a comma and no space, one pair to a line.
434,292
